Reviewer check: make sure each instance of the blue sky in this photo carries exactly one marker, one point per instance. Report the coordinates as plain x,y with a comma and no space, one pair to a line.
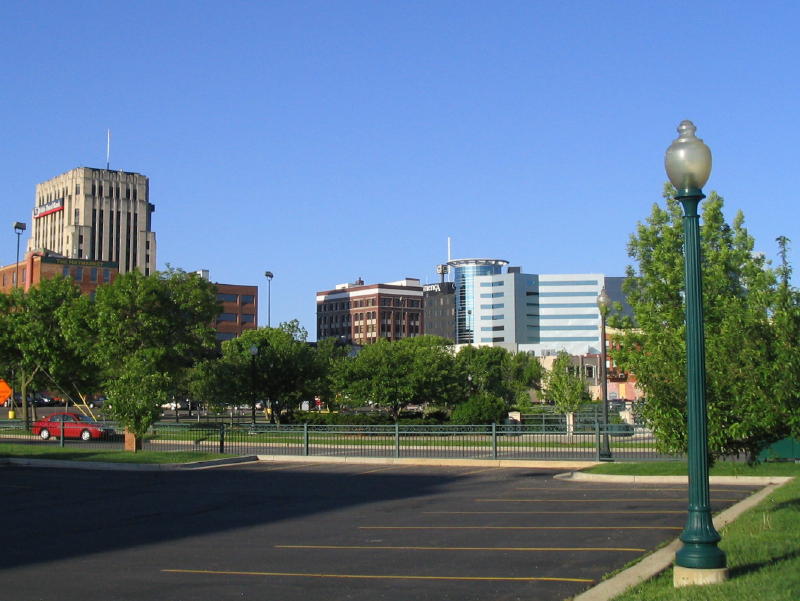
326,141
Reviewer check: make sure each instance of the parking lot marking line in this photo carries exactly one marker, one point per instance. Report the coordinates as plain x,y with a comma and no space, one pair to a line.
520,527
620,500
638,490
289,467
637,512
382,576
381,469
418,548
488,469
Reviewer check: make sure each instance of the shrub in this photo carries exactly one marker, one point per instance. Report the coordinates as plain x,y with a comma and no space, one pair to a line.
483,408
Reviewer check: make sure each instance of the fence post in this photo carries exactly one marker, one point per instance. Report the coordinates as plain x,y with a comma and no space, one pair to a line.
396,439
222,438
597,440
61,436
494,440
305,439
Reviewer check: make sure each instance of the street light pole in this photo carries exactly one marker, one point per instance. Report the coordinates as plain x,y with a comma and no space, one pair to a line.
603,304
19,227
269,275
253,354
700,560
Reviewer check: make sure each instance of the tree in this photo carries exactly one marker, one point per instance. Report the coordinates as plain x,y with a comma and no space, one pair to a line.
35,340
156,326
267,364
487,369
751,333
564,387
393,375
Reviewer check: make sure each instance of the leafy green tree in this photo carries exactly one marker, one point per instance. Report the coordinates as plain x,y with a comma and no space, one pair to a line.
751,333
487,369
35,340
157,324
393,375
526,373
564,387
268,364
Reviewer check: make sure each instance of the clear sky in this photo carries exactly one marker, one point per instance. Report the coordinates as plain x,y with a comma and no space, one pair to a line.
327,141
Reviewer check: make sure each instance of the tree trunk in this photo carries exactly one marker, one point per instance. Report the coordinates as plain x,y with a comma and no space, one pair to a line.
132,442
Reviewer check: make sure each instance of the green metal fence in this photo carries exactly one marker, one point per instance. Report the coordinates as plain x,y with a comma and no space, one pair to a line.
532,441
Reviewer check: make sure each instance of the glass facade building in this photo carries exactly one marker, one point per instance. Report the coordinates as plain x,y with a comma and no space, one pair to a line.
464,273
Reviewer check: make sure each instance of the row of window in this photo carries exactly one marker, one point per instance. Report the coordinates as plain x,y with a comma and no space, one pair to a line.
232,317
78,274
246,299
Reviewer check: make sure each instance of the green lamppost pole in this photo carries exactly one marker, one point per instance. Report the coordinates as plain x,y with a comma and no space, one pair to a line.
700,560
603,304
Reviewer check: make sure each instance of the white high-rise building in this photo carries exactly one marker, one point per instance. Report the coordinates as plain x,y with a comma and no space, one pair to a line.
96,214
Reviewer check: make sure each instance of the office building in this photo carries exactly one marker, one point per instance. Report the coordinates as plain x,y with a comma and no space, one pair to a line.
239,304
439,302
96,215
42,265
359,313
464,273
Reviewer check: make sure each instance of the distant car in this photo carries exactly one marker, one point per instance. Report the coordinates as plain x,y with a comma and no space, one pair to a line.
98,402
74,425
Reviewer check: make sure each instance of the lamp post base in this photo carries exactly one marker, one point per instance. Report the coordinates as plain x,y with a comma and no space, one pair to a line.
697,577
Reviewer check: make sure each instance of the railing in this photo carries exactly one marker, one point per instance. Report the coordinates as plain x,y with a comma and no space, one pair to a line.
529,441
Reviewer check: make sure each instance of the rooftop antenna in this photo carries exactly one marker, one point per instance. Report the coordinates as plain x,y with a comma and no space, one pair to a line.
108,149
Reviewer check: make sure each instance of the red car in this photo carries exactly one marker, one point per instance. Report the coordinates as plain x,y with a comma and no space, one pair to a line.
75,425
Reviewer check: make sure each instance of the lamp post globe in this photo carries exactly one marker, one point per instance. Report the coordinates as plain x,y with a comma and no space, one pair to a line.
700,560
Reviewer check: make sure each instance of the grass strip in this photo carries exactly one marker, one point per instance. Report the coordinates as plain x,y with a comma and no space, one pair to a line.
680,468
72,454
763,551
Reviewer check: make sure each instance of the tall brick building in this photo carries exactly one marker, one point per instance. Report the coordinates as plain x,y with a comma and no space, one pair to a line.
361,313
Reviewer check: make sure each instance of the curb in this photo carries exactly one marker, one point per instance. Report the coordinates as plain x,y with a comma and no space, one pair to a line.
657,562
570,465
724,480
125,467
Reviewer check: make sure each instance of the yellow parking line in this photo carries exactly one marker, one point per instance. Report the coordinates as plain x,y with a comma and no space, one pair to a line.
520,528
622,500
289,467
381,469
415,548
636,488
663,511
488,469
381,576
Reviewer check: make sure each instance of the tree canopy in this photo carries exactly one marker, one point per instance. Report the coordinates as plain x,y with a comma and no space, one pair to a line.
751,332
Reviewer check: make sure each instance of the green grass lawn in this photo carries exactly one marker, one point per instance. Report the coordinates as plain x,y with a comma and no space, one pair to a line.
73,454
679,468
762,545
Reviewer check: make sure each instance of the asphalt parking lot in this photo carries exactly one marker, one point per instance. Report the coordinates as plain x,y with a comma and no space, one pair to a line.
325,531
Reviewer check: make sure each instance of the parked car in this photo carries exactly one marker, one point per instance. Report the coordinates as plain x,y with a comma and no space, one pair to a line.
74,425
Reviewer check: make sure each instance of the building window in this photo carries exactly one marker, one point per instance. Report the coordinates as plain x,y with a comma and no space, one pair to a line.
248,299
64,272
247,318
79,274
106,276
227,317
227,298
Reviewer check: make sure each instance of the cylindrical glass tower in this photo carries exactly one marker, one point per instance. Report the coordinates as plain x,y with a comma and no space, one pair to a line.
464,272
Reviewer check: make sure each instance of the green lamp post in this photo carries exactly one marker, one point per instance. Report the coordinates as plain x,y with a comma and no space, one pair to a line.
700,560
